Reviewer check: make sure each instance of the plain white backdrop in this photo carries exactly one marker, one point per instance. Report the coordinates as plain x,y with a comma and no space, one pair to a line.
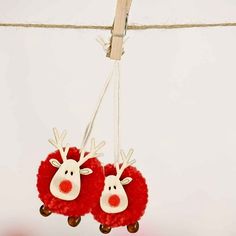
178,110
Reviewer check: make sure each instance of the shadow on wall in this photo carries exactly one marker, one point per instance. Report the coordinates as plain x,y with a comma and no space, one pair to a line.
19,231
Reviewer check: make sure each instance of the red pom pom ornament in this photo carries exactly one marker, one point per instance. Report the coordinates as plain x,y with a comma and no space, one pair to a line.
69,181
124,198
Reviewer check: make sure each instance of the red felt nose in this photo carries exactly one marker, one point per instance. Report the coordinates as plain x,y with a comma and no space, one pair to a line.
65,186
114,200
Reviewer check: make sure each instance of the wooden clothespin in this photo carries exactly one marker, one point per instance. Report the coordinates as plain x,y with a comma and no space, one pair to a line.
119,29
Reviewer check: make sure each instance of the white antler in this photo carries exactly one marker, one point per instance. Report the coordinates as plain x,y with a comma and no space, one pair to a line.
126,162
58,143
93,152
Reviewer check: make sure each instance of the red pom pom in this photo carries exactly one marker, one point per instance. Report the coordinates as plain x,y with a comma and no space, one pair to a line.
91,186
65,186
137,193
114,200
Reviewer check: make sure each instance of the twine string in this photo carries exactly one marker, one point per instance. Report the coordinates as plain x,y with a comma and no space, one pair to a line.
129,27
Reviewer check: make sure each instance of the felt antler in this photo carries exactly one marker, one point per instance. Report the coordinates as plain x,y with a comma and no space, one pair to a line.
126,162
58,143
93,152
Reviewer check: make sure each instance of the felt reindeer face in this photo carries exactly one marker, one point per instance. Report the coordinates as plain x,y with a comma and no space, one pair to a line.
114,198
65,184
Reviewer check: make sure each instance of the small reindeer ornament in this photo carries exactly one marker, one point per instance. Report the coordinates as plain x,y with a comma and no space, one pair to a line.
70,181
124,196
114,198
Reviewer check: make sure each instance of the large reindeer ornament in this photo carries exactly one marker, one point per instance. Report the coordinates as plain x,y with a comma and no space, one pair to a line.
70,181
124,196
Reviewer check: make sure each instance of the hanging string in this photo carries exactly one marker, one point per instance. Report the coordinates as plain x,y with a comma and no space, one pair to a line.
115,74
130,27
90,125
117,113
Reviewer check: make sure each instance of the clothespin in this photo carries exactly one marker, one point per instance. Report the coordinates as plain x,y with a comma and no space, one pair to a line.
119,29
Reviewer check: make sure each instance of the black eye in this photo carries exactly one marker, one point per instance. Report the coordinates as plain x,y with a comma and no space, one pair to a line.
114,187
71,173
109,188
66,172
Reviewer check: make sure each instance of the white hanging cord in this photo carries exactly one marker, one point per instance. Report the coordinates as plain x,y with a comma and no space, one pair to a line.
105,44
117,114
115,73
91,123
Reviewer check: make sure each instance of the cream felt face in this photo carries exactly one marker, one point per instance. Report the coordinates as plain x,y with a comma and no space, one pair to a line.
65,184
114,198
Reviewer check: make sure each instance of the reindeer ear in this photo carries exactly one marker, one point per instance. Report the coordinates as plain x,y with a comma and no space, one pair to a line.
55,163
86,171
126,180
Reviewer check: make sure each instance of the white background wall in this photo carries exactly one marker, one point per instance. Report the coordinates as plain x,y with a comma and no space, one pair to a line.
178,110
